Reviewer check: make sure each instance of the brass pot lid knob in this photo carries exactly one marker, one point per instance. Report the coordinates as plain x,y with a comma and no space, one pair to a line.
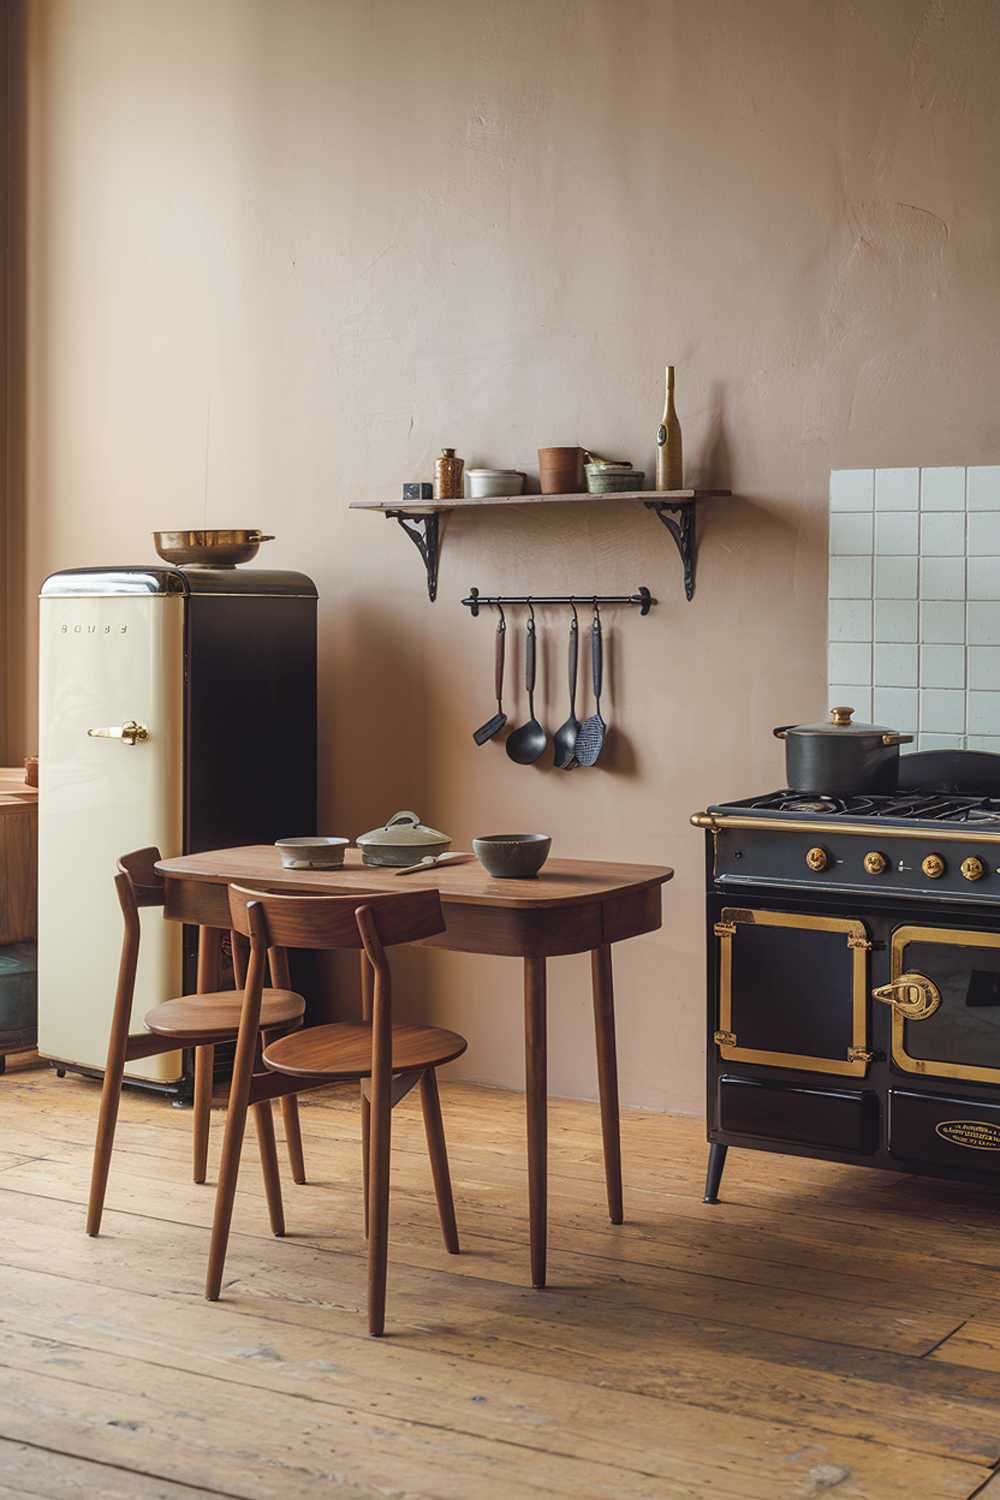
841,716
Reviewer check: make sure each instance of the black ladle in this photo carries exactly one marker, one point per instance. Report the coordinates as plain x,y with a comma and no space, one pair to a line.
493,726
526,744
564,739
590,740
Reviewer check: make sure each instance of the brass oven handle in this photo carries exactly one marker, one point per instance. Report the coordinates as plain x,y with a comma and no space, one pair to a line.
130,733
914,997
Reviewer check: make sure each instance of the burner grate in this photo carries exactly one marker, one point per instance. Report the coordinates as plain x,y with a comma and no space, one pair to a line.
909,806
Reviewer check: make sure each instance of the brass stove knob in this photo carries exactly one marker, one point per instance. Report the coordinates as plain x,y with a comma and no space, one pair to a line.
973,868
876,862
817,858
933,866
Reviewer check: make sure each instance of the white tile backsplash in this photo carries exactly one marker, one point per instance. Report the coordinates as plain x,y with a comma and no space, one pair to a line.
942,578
984,533
895,577
850,577
942,710
984,577
897,708
914,624
896,489
984,713
849,662
850,620
895,665
896,531
852,489
942,623
983,624
850,533
942,534
984,667
984,487
942,666
895,620
942,489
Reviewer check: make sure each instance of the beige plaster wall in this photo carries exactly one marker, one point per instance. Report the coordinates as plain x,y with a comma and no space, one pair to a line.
277,254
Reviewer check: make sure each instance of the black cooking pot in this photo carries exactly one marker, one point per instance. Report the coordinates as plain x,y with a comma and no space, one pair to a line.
839,759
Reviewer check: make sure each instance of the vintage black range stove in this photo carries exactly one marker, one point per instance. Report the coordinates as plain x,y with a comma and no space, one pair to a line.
854,973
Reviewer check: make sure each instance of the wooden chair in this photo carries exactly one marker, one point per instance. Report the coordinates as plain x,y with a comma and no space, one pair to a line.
388,1060
200,1021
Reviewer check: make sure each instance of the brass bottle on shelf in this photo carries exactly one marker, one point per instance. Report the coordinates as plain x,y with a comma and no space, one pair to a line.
448,475
669,460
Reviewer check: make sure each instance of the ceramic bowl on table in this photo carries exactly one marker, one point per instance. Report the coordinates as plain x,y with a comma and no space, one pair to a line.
512,856
312,853
487,482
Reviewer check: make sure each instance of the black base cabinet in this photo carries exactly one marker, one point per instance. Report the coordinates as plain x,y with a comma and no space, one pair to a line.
838,1121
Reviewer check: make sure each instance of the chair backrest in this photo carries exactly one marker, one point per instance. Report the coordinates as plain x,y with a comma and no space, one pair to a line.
332,921
144,881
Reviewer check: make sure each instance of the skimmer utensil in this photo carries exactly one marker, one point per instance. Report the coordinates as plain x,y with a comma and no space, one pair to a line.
590,740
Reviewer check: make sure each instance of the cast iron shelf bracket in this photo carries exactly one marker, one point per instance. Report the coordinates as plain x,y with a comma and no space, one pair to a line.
642,599
678,517
424,532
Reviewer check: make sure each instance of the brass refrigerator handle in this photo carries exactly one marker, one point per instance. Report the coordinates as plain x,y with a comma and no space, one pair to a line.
129,733
912,996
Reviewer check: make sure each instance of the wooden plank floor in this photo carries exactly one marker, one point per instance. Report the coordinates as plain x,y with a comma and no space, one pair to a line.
822,1331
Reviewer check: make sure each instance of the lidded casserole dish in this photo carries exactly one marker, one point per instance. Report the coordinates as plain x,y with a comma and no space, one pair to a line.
404,840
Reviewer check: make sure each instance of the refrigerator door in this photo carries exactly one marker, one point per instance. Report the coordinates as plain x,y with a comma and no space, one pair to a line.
105,662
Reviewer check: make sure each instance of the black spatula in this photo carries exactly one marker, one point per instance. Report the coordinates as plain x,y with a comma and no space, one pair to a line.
493,726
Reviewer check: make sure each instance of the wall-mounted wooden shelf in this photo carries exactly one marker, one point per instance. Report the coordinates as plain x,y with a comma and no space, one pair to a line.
420,519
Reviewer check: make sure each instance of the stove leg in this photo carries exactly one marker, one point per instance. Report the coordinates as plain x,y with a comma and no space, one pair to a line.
716,1162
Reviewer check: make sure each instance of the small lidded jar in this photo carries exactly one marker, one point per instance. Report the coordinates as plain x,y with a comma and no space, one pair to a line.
448,476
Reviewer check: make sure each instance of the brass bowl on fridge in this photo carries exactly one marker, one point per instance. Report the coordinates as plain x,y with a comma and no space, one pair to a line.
209,549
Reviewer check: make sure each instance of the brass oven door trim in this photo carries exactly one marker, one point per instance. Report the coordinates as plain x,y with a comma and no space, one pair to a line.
855,1064
924,1067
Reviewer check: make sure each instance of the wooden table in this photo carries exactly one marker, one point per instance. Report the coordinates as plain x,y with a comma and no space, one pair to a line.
574,906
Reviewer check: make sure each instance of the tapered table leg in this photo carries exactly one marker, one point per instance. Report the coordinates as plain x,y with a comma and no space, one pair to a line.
208,980
536,1089
607,1076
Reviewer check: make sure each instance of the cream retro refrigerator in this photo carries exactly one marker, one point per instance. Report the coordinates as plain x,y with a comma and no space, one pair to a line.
177,709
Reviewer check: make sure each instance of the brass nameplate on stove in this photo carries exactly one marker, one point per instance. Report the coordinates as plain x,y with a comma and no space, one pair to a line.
978,1135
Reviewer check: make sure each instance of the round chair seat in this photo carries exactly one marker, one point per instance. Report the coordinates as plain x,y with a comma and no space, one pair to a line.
342,1050
219,1011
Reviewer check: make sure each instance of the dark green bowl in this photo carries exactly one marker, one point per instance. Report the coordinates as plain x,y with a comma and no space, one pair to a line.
512,856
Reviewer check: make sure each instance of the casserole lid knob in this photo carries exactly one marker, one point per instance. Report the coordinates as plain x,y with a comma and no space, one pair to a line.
404,830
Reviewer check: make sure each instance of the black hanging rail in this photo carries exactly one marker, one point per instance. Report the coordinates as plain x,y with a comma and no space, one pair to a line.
642,599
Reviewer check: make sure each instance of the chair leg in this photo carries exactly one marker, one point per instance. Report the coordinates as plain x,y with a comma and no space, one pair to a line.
264,1121
229,1166
438,1153
366,1148
204,1079
378,1203
107,1120
293,1136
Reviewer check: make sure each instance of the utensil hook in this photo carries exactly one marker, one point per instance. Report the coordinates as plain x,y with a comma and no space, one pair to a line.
576,617
531,610
503,617
597,611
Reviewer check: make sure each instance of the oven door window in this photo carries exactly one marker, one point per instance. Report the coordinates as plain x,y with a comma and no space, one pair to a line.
945,999
793,991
